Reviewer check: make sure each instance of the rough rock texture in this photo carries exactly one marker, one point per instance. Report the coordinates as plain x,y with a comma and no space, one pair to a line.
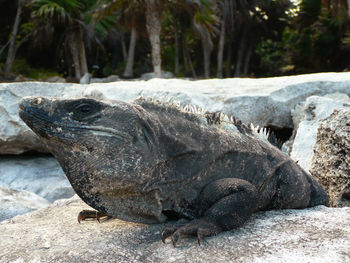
151,75
16,202
111,78
306,116
263,102
15,137
52,234
331,161
56,79
40,175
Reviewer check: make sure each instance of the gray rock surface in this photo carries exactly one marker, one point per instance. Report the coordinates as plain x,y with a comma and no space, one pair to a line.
306,117
263,102
85,79
40,175
331,161
53,234
111,78
56,79
151,75
16,202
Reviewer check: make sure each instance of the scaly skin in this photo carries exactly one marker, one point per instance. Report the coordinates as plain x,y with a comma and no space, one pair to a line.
146,162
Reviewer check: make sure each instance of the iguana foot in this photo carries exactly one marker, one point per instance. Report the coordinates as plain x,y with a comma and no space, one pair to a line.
92,214
199,228
223,205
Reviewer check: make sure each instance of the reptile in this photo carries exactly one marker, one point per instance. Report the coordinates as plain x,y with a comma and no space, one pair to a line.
149,161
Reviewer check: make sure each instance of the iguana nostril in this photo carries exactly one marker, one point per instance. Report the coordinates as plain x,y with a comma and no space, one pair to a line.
36,101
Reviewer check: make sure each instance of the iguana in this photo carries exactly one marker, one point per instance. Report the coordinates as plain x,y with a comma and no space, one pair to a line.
148,161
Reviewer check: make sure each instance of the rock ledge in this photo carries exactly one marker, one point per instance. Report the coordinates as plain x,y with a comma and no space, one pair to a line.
53,234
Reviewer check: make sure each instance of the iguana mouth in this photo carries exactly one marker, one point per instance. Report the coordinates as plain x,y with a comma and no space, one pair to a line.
100,130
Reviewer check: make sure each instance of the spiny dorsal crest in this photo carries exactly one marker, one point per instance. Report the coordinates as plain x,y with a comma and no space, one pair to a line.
212,118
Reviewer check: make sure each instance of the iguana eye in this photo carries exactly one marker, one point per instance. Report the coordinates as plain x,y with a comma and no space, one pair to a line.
84,109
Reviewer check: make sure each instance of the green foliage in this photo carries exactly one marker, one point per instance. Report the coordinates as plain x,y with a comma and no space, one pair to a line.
272,60
284,39
61,10
21,67
316,43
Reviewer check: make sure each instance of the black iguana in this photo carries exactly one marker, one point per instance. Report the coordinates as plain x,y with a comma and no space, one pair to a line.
147,161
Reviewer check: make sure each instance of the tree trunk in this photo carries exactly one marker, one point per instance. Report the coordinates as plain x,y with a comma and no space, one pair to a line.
73,48
4,47
221,48
229,58
240,54
11,54
184,47
188,58
207,46
206,52
176,38
128,72
153,25
122,40
82,53
247,60
348,8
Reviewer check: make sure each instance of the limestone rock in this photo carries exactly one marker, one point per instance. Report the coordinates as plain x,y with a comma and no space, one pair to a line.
53,234
16,202
264,102
56,79
306,116
151,75
85,79
111,78
40,175
331,160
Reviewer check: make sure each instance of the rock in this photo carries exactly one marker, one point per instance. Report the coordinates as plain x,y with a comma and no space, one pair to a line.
306,118
151,75
15,136
52,234
264,102
56,79
111,78
85,79
331,160
21,78
16,202
40,175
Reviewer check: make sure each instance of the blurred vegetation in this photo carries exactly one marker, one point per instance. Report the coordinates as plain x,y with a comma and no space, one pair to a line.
196,38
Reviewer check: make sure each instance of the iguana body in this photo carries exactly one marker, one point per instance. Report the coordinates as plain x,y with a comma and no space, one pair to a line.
146,162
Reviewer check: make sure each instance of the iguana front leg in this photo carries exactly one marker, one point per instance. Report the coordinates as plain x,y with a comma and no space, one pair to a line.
224,204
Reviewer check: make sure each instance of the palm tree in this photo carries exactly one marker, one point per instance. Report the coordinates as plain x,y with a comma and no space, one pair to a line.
154,27
12,45
203,19
129,15
67,15
133,9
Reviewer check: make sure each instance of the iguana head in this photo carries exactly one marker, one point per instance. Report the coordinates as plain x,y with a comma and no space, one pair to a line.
104,147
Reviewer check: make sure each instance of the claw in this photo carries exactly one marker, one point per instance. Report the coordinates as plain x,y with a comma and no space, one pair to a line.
86,214
80,217
174,241
163,237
